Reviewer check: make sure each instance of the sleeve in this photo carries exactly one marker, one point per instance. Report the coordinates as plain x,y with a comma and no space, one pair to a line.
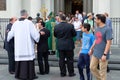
73,31
34,32
55,32
10,34
108,34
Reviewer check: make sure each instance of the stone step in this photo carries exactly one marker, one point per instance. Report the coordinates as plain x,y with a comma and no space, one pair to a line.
55,63
54,58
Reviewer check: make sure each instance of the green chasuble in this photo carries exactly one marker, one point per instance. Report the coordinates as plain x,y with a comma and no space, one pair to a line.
50,26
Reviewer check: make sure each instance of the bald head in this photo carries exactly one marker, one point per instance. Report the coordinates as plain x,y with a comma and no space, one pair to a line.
13,19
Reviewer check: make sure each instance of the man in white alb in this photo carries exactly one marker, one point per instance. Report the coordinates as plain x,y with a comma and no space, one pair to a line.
25,34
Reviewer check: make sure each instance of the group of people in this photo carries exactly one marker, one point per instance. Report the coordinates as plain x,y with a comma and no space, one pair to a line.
94,41
21,36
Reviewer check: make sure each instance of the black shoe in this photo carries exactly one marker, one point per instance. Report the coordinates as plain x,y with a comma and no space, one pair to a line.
72,75
36,77
63,75
40,73
46,72
108,70
12,72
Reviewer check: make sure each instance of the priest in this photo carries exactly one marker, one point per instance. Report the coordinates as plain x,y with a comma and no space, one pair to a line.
25,34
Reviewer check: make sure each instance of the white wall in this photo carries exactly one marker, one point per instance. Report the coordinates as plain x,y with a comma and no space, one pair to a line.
34,7
109,6
49,4
101,6
114,8
26,5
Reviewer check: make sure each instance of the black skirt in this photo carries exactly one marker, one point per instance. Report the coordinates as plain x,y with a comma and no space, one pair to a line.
25,70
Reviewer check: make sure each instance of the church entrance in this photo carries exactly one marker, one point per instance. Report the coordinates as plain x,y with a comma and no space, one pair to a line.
72,5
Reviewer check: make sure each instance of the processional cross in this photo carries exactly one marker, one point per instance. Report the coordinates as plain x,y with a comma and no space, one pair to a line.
44,11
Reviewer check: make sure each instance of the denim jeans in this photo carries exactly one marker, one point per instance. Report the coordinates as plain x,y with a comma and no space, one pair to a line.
84,62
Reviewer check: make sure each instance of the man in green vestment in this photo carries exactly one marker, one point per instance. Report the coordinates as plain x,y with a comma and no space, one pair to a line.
50,25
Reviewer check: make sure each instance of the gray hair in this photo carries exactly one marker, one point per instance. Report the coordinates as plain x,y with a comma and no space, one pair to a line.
23,12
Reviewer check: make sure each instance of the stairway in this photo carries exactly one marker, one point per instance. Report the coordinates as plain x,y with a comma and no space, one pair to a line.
53,61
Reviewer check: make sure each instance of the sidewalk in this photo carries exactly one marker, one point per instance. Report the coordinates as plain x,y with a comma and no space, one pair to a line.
54,74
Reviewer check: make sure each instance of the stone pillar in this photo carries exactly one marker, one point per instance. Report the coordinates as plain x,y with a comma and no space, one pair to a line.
56,6
87,6
49,5
62,5
101,6
59,5
35,6
15,7
26,7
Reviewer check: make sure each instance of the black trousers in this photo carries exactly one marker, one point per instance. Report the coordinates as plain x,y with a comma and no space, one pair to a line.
43,62
66,57
11,59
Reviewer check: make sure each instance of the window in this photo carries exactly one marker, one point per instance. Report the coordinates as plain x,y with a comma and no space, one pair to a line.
2,5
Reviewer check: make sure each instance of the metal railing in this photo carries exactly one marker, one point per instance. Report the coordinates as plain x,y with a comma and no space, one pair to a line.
116,31
115,26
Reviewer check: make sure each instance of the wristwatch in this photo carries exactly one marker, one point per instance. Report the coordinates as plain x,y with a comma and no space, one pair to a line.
105,54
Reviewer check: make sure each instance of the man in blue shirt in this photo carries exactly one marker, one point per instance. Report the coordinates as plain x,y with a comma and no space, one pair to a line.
84,58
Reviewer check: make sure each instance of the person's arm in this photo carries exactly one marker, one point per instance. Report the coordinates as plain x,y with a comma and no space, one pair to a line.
34,32
73,31
107,48
108,43
10,34
55,32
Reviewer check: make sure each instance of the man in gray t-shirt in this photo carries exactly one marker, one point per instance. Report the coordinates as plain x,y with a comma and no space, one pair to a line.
102,35
100,48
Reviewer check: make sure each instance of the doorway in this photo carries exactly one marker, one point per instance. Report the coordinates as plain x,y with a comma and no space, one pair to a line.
72,5
77,5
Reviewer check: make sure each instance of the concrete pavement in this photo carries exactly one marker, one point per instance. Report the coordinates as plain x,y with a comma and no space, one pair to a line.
54,74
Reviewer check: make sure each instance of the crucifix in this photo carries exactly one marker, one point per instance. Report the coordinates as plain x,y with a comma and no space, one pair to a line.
44,11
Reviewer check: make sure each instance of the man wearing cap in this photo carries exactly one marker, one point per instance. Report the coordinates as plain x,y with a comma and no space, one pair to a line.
90,21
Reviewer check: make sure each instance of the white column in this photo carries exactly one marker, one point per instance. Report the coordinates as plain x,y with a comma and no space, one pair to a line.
26,7
101,6
35,6
15,7
49,5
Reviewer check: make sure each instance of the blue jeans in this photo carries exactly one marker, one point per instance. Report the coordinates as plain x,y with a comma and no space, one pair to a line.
78,36
84,62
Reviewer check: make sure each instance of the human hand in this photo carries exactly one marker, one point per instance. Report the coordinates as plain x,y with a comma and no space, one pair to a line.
42,33
103,58
90,52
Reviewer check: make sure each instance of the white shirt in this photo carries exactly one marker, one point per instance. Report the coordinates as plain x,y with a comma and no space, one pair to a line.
24,33
77,25
79,16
